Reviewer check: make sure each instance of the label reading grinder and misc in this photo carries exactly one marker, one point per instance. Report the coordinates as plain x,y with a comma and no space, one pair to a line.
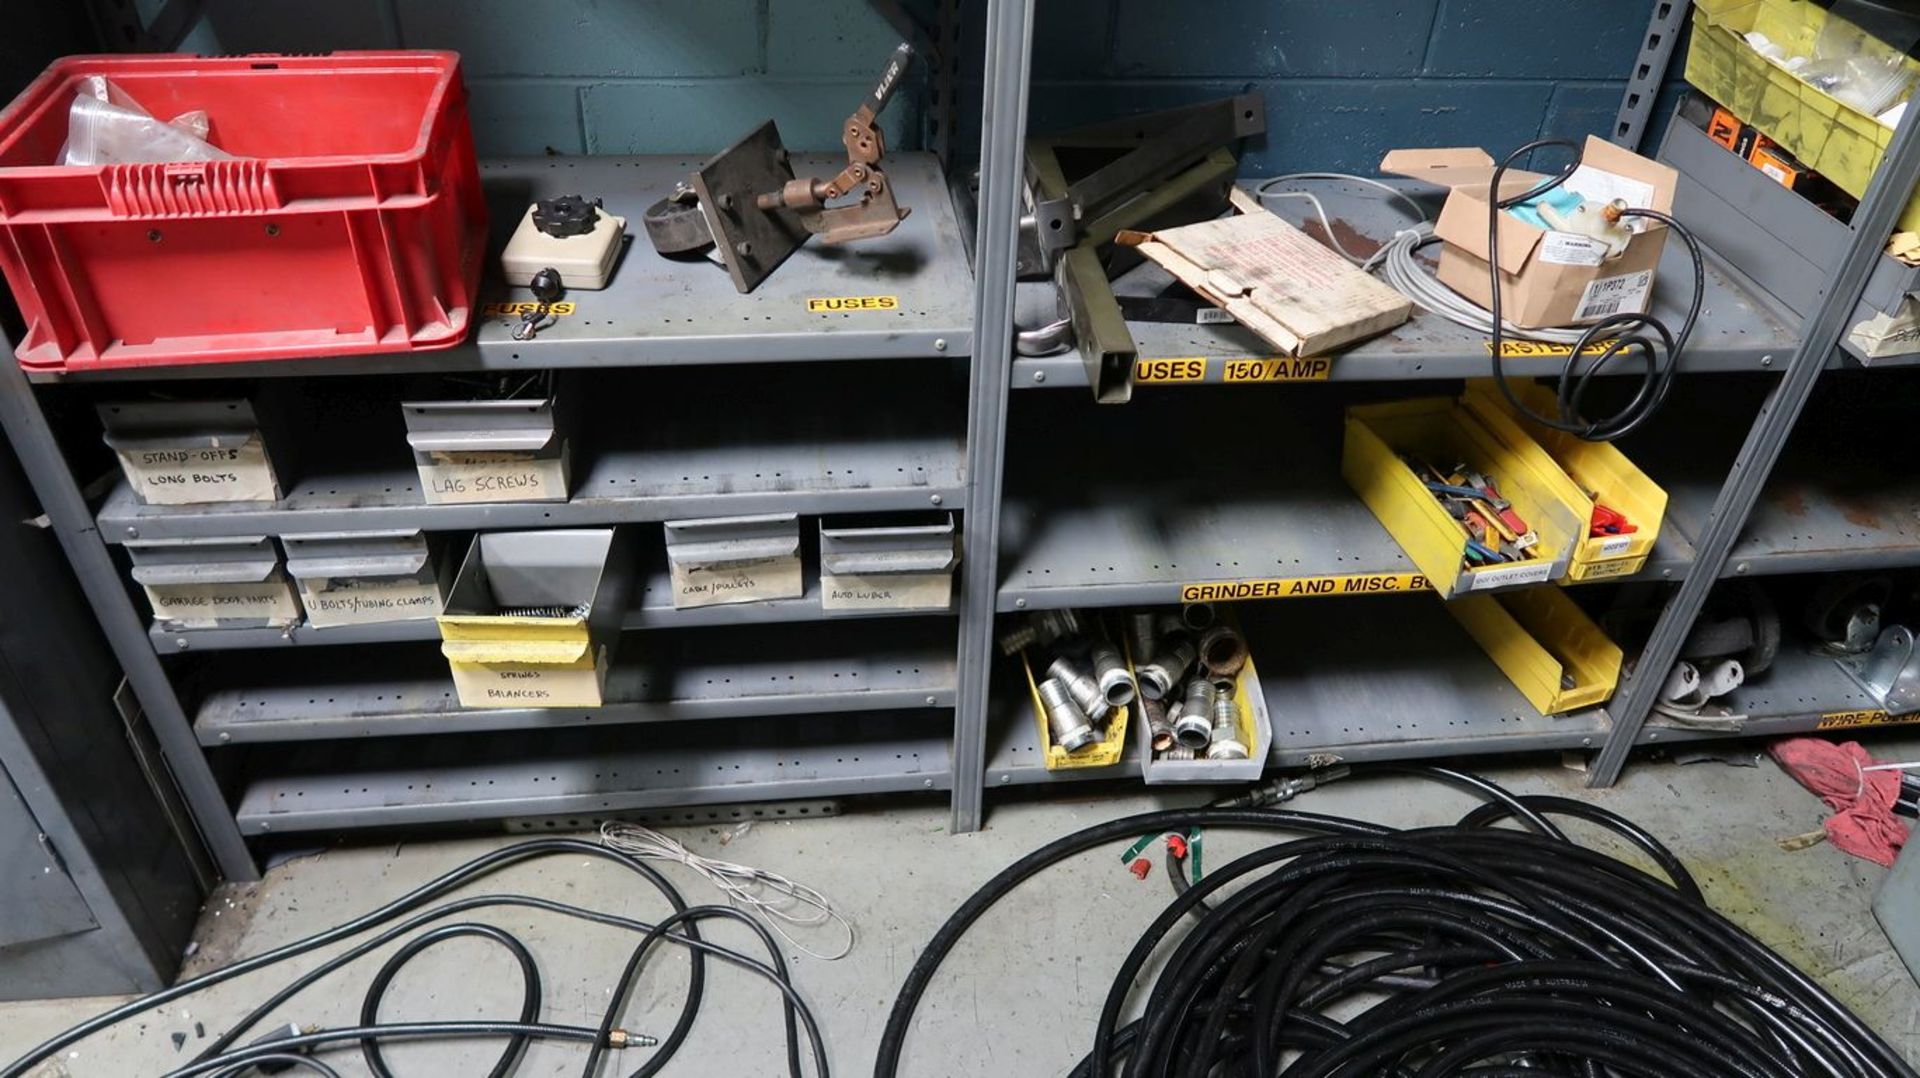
1192,369
1304,587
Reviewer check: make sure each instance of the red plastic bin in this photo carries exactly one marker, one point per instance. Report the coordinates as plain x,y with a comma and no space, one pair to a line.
350,219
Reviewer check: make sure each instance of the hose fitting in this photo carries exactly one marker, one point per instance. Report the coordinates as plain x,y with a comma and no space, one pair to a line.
1116,685
1083,689
1068,724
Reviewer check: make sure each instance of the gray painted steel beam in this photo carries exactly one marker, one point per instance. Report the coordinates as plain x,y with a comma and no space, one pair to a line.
1003,125
1649,72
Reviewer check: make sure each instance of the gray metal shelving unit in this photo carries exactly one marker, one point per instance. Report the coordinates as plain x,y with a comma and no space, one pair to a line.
1218,497
318,730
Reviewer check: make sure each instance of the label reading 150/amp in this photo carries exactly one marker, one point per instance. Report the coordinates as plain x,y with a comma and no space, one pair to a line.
1276,369
1191,369
1304,587
823,304
1842,720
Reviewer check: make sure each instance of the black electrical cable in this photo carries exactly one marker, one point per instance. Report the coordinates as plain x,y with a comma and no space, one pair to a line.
529,991
679,930
1628,334
289,1059
1440,952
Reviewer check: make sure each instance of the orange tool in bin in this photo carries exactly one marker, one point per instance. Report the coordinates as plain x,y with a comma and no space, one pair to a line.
349,218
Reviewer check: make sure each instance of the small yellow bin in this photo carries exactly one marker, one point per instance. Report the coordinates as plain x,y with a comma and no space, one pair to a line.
1833,138
1104,753
1546,645
1589,468
1446,431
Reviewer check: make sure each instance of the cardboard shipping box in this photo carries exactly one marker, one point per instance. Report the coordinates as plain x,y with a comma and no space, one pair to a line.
1547,278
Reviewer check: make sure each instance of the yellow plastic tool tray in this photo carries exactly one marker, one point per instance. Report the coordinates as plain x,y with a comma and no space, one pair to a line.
1833,138
1255,732
1103,753
1591,470
1445,431
1546,645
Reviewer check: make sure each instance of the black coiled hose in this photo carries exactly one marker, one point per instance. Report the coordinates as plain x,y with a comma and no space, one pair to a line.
1626,334
222,1060
1483,951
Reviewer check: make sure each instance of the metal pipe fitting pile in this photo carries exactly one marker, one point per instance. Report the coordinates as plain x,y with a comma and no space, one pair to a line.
1086,678
1187,684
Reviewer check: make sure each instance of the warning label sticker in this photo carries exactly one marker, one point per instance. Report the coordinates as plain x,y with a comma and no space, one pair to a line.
1304,587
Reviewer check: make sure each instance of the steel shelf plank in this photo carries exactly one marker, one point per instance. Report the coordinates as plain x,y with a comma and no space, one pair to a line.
685,465
1738,329
340,785
1841,501
655,612
1340,689
718,674
662,312
1799,693
1138,534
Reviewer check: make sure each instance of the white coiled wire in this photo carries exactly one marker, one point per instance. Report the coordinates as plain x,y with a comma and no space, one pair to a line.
778,901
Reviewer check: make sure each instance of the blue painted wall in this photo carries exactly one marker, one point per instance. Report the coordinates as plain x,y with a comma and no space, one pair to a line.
1344,81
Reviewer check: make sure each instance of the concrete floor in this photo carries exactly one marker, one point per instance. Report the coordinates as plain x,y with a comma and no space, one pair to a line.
1021,994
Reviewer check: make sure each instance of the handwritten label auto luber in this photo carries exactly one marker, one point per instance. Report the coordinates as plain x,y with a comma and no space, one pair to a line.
886,591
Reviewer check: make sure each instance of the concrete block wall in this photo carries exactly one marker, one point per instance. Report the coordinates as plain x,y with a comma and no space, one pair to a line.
1344,81
611,76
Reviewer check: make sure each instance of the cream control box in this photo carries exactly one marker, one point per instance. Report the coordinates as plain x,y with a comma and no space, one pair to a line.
364,578
722,560
190,452
225,583
584,259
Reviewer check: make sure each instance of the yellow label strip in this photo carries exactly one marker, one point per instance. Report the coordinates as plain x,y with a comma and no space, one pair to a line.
515,310
823,304
1304,587
1188,370
1512,349
1845,720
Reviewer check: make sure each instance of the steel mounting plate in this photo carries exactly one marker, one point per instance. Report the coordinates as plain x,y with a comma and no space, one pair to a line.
752,241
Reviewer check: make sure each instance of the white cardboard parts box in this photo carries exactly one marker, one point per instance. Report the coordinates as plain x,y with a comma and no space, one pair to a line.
1538,286
364,578
504,450
895,565
721,560
190,452
227,583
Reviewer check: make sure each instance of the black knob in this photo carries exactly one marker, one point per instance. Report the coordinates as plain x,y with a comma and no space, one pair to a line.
568,215
547,286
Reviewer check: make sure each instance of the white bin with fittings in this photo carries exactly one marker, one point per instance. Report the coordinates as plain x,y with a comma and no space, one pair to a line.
365,578
190,452
720,560
1227,741
888,566
533,617
225,583
507,448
